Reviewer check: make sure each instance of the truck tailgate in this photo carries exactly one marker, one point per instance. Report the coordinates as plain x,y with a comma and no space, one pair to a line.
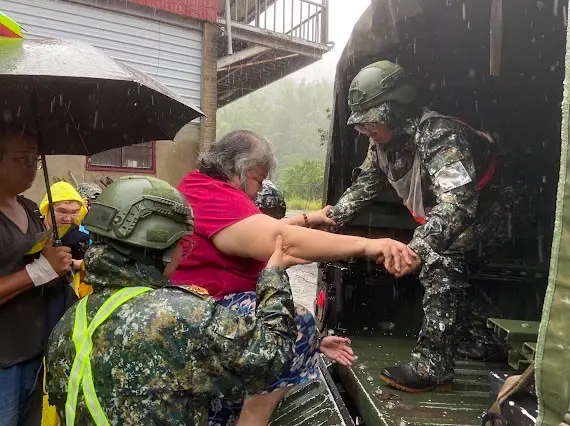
316,403
381,405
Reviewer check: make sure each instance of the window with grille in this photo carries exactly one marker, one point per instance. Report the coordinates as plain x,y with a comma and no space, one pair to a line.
138,157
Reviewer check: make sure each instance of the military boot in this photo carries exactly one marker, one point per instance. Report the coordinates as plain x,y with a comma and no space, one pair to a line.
404,378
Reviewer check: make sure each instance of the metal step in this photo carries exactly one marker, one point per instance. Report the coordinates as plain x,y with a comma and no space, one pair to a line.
519,337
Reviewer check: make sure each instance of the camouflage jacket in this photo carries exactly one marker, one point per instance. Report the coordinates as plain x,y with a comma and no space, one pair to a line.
161,357
441,142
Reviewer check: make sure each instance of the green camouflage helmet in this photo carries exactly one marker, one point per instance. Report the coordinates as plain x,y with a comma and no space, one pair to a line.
140,211
89,190
269,197
375,85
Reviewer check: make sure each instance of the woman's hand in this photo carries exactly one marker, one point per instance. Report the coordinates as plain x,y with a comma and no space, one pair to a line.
338,349
320,217
281,260
398,258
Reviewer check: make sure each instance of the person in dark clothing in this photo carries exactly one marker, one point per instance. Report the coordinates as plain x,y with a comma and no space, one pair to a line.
26,273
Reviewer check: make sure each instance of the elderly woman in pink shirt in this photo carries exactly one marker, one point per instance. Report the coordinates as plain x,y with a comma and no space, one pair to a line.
232,242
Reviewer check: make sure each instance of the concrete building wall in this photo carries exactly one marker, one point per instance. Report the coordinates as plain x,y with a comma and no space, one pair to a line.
173,161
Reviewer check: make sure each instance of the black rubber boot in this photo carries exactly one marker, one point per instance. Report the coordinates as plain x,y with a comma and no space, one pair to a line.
404,378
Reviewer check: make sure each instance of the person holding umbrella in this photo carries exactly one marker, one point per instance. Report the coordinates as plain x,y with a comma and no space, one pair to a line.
74,100
24,272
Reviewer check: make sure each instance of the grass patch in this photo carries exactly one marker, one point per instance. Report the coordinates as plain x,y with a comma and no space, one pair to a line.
296,203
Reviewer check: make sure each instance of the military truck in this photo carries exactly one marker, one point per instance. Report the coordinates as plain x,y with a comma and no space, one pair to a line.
500,66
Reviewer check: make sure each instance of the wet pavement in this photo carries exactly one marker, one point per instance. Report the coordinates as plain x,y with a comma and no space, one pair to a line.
303,279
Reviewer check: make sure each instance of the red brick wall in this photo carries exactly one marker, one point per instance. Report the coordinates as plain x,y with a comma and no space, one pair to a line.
200,9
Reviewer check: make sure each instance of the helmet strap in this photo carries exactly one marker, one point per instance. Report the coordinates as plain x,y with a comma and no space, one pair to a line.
143,255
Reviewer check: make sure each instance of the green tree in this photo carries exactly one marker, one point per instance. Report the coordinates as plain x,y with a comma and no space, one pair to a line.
289,114
304,180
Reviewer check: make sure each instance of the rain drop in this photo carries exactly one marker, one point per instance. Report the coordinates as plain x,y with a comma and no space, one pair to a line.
463,11
539,5
472,73
95,119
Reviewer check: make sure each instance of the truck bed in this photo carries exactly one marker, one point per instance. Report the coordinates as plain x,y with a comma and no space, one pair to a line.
381,405
316,403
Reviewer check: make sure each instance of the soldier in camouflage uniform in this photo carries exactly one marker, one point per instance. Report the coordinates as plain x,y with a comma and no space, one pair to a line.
271,201
162,355
89,192
442,169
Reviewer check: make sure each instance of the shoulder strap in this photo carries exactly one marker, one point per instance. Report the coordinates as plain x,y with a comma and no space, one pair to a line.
32,208
512,386
80,377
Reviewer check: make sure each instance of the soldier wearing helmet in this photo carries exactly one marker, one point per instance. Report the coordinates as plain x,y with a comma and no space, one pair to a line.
140,351
89,192
271,201
443,170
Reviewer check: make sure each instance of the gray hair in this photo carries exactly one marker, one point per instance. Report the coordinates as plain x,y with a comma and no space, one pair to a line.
235,154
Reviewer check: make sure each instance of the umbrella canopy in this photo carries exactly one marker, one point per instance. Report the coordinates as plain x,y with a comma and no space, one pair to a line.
81,101
9,28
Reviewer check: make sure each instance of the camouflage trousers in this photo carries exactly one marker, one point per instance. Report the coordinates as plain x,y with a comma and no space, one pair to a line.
454,311
169,408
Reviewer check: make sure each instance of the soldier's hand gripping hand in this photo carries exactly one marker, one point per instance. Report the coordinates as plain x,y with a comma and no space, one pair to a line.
397,258
414,267
279,259
320,218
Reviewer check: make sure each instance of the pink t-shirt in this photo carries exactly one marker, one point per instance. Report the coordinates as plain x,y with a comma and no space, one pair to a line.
216,205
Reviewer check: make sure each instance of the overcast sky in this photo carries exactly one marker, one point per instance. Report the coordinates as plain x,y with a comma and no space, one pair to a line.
343,16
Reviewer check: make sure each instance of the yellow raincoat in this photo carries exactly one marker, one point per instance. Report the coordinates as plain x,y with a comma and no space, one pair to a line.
61,191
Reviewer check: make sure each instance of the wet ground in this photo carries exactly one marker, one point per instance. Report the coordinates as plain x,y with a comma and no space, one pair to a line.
303,279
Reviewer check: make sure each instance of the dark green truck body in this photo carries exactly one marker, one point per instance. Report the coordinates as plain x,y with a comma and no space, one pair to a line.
448,46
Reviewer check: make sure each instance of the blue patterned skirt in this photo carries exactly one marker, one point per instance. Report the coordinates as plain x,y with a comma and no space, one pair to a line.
302,368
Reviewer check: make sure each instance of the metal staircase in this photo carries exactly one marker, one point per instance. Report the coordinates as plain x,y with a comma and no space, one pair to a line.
262,41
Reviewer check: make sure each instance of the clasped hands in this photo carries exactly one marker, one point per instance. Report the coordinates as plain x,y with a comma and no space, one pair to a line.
397,257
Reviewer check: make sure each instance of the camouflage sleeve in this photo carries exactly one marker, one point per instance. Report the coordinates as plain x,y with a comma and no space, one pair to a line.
256,351
367,185
446,155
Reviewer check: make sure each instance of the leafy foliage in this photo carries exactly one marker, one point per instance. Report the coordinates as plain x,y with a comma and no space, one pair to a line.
289,114
304,180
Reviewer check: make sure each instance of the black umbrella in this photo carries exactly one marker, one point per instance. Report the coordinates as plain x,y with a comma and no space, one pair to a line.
79,101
